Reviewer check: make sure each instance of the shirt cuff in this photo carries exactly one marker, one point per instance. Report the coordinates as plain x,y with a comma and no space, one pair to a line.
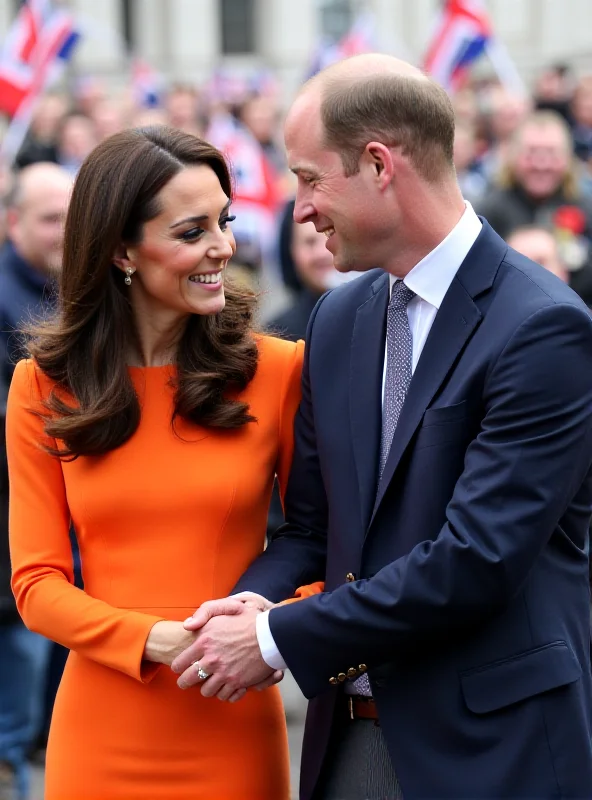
271,655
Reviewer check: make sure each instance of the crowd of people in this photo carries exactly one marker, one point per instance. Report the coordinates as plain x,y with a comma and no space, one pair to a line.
523,163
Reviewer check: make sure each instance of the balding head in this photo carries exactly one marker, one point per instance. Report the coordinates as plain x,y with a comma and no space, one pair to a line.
365,65
36,214
376,97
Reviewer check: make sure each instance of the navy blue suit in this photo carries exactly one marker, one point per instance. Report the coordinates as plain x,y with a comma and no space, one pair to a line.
470,606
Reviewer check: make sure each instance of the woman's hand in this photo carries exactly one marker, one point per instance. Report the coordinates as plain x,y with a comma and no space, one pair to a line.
167,639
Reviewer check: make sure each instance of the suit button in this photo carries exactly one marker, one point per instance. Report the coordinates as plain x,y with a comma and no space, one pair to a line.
362,668
351,673
333,681
350,577
341,677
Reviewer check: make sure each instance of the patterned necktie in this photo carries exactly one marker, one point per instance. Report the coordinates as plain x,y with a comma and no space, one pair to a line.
399,363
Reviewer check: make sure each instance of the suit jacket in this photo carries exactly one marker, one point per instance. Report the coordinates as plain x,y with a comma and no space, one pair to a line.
461,581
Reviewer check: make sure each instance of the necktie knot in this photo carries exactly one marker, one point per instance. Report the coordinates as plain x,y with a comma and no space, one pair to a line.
401,296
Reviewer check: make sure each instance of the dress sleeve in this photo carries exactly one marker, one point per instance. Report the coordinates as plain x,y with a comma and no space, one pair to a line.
42,569
290,401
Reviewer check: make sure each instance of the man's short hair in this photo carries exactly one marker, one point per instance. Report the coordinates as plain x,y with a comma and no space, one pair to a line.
397,110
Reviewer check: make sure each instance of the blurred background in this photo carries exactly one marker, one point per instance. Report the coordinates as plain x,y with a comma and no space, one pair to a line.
519,73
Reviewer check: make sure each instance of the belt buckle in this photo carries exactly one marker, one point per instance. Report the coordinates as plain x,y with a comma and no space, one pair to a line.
350,705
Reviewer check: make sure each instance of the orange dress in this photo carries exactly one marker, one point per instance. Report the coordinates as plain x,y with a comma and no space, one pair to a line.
166,521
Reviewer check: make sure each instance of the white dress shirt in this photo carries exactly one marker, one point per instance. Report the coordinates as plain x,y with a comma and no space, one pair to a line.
430,280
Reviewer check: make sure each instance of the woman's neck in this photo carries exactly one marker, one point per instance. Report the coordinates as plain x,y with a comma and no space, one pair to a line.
156,344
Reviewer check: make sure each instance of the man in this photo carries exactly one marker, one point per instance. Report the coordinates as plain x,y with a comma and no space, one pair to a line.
442,488
29,262
539,186
541,246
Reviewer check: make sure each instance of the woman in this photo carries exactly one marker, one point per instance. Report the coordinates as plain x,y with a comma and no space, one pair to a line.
153,418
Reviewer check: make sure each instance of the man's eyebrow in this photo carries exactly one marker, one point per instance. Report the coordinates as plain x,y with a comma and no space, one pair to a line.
201,218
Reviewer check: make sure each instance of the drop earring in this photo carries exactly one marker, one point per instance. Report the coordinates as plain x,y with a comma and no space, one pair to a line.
128,276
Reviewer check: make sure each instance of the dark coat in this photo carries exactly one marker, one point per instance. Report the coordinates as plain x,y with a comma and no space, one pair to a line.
460,581
24,294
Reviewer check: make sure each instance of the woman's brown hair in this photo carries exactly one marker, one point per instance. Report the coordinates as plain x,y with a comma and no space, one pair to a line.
83,348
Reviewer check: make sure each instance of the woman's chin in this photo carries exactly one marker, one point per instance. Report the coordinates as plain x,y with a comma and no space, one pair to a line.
210,306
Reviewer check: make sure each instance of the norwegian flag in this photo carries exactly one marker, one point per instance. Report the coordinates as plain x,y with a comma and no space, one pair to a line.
460,38
147,84
39,44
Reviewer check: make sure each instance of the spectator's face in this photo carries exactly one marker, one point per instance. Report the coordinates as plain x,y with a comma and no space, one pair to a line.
47,118
352,212
108,119
542,160
260,116
181,108
314,263
540,246
36,226
507,112
179,263
77,139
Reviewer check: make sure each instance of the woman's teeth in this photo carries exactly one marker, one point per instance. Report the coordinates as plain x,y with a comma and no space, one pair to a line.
214,277
329,232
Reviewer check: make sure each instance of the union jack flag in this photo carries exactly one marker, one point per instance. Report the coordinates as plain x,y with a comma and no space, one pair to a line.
38,44
460,38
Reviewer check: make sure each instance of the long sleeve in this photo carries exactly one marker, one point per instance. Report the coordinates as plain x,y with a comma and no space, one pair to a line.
40,549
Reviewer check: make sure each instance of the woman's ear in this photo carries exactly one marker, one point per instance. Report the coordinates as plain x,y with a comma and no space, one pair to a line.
122,260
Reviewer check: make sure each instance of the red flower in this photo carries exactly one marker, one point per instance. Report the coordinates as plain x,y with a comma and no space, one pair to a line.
570,218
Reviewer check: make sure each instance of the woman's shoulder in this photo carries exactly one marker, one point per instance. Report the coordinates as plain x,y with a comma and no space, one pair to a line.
29,381
280,362
276,351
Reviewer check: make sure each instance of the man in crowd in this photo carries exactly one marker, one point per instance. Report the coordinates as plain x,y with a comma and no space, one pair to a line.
539,185
29,264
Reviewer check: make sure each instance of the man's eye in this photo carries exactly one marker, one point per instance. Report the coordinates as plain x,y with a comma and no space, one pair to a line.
225,220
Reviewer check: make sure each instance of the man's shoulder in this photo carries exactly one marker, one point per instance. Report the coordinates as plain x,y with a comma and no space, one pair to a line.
523,289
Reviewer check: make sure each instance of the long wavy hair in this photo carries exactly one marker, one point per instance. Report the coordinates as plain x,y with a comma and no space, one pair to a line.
93,407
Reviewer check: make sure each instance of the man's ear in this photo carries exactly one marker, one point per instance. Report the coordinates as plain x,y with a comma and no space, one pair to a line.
122,260
380,159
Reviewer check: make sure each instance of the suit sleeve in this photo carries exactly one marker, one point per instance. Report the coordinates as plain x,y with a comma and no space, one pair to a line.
532,454
296,553
41,554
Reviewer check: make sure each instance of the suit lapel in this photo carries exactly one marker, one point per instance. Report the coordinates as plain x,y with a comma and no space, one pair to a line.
365,391
455,322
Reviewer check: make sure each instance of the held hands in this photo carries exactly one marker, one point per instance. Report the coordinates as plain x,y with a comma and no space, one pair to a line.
225,647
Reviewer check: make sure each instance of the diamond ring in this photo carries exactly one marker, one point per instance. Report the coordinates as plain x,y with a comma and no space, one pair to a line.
201,673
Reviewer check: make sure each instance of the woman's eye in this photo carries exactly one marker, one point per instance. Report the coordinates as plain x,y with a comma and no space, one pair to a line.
225,220
192,235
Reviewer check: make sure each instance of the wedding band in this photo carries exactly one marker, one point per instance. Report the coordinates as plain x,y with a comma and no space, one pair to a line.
201,673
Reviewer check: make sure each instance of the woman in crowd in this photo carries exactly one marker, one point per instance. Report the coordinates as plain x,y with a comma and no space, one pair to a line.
152,416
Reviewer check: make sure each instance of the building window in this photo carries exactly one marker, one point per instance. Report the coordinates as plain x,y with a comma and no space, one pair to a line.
237,18
336,18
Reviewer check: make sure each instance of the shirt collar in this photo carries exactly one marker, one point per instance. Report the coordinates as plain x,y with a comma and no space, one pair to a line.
430,279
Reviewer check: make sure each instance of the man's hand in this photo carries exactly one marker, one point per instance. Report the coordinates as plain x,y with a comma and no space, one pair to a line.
226,647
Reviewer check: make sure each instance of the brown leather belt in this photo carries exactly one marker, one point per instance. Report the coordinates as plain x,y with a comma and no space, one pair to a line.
360,707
